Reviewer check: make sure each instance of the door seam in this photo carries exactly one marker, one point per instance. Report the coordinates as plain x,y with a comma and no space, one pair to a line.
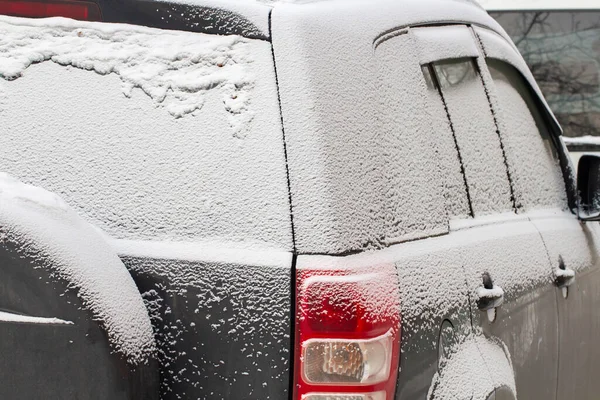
285,151
456,146
556,300
479,63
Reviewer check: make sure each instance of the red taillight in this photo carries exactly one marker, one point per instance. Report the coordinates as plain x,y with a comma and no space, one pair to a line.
81,10
347,333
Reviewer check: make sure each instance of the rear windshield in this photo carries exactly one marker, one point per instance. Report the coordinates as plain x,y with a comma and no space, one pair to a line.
149,134
562,49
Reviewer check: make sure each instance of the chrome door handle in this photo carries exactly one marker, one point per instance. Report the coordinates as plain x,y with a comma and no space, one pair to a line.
564,277
489,296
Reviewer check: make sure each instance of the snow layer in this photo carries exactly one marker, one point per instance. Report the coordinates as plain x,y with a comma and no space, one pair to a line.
592,140
126,164
455,191
27,319
537,180
44,228
464,374
364,171
476,136
567,239
207,251
497,45
444,43
175,69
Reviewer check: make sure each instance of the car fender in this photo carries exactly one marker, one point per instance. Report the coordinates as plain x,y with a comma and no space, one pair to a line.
72,322
475,368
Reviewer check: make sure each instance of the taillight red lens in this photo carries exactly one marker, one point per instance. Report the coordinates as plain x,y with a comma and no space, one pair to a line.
347,333
81,10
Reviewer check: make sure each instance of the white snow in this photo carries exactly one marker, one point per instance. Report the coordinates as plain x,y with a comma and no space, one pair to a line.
537,181
124,162
15,190
444,43
71,250
363,148
477,139
27,319
175,69
206,251
496,44
491,219
473,369
592,140
495,292
566,273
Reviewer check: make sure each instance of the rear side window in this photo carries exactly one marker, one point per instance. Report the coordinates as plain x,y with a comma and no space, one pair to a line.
530,153
474,129
149,134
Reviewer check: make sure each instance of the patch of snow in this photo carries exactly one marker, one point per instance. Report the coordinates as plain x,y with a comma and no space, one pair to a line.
565,273
444,43
251,15
538,180
176,69
567,240
592,140
483,293
206,251
27,319
477,139
362,145
15,190
457,224
42,227
496,44
466,373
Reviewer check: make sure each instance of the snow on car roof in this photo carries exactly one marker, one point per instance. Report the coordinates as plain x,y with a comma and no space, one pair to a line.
518,5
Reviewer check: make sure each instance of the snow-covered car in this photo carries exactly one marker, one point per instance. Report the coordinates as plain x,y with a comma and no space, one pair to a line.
312,200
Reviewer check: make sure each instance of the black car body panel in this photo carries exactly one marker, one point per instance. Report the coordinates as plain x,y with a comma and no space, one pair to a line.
218,326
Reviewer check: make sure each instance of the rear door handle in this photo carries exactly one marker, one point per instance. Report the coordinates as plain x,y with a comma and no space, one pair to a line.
489,296
564,277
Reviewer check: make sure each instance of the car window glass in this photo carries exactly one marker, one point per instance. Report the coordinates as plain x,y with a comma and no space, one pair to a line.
475,135
530,153
562,49
455,190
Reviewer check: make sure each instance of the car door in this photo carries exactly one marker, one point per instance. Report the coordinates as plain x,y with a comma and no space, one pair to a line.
533,160
509,280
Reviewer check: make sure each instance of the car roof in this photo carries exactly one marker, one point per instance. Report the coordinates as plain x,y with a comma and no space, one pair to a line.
256,13
251,18
532,5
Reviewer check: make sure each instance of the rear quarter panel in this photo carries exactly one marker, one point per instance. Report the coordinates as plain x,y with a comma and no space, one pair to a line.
170,143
